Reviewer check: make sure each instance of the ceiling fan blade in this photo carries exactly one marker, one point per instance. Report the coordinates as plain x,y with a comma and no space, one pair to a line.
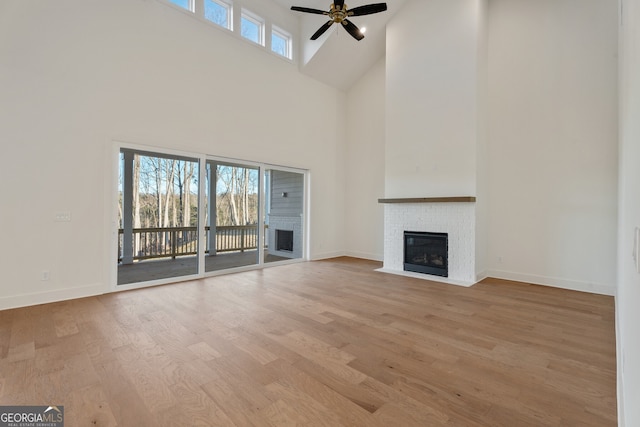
339,3
309,10
321,30
352,29
367,9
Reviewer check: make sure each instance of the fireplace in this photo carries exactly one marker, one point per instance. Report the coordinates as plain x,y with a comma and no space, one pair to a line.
426,253
284,240
458,220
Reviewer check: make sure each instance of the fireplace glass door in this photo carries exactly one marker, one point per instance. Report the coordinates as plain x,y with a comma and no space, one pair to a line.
426,253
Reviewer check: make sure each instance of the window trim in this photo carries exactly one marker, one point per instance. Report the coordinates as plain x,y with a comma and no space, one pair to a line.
258,21
191,6
287,37
222,3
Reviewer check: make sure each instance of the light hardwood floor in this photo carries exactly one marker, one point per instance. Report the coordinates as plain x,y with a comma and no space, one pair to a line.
328,343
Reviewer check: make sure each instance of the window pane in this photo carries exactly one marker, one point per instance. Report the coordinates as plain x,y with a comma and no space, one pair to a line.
280,45
251,30
216,13
159,212
233,232
284,209
182,3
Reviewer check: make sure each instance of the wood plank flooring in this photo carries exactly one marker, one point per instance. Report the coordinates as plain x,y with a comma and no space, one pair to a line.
327,343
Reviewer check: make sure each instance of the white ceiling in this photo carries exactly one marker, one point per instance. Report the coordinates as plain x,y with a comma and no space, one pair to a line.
336,58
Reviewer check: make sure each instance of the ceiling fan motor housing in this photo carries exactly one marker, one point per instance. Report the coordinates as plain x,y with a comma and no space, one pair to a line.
338,14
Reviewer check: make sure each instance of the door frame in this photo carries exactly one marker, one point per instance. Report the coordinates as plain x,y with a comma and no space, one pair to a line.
117,146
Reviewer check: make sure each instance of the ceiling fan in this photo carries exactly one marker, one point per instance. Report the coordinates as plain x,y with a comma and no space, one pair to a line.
339,14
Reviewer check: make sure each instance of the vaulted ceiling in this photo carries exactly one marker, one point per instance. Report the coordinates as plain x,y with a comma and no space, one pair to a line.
336,58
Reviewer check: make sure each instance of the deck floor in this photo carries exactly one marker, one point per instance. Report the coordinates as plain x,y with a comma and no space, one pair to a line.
145,271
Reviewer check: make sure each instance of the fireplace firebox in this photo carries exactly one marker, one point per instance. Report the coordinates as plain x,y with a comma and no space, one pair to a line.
426,253
284,240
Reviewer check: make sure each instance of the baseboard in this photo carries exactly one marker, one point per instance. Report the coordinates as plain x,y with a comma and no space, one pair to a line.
481,276
364,255
36,298
327,255
555,282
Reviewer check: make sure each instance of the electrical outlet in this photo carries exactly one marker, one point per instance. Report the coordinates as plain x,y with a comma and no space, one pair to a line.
62,216
45,275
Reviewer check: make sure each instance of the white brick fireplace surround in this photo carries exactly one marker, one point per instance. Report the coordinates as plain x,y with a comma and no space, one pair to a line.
454,216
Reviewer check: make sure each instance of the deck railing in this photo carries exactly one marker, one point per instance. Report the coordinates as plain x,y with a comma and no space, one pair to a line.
179,241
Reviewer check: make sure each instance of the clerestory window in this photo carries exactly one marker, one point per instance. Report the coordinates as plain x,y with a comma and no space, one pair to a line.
252,27
281,42
219,12
185,4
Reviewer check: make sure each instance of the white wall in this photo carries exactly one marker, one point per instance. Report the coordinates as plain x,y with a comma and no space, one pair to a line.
365,165
513,101
431,103
78,74
482,158
628,294
436,102
552,130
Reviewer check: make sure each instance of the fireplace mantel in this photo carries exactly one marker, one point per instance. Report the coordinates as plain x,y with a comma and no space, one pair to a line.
462,199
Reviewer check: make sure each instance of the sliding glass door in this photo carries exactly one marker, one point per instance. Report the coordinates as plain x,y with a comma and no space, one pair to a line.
284,214
158,216
233,210
186,216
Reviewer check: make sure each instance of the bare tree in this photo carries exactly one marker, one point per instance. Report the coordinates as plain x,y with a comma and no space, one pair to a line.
232,196
136,201
184,175
227,205
189,171
170,168
245,197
